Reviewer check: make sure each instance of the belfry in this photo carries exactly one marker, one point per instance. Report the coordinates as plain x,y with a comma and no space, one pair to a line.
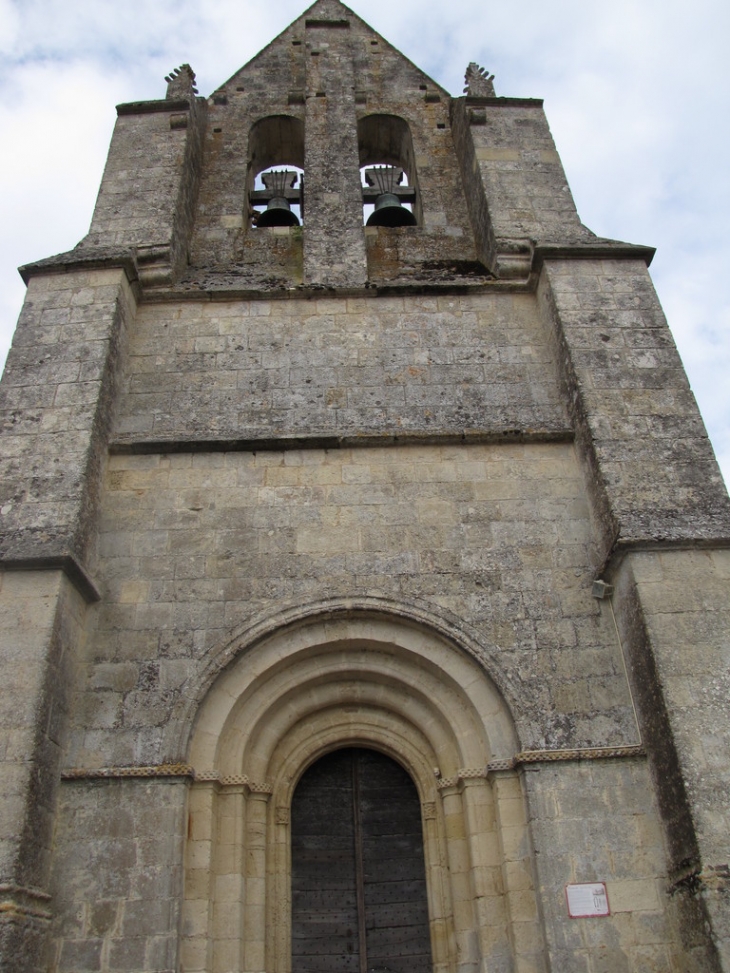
365,564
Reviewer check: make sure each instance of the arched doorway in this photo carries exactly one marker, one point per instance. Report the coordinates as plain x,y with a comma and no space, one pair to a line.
364,681
359,898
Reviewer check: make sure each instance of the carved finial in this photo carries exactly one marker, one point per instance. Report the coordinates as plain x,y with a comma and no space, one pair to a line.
478,82
181,82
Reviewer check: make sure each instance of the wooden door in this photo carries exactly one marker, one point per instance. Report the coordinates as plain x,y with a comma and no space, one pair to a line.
358,878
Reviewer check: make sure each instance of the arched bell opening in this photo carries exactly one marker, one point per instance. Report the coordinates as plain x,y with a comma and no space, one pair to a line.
388,172
276,172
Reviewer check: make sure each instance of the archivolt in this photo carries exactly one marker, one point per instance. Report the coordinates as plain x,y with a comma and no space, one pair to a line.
417,617
348,667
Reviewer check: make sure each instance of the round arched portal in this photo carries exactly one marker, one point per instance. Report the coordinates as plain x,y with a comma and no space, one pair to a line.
381,684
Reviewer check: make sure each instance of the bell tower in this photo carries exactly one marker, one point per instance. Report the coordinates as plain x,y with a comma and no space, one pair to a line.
364,564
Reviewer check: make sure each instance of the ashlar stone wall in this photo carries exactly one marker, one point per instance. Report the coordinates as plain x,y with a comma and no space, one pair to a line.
357,369
191,546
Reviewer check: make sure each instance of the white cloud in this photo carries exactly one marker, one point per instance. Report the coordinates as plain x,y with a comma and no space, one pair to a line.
9,25
634,94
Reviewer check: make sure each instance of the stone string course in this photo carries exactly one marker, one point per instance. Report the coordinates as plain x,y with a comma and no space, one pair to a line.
232,780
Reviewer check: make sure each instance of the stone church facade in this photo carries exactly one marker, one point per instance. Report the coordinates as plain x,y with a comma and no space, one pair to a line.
364,589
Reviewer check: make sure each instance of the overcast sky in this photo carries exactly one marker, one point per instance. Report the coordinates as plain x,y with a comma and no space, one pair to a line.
636,91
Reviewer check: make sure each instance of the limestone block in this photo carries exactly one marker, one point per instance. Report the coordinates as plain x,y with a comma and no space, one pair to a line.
637,896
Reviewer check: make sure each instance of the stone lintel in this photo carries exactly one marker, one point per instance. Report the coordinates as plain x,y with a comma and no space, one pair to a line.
264,195
406,193
67,563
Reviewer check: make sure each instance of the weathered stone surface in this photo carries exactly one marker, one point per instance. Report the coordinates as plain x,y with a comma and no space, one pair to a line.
597,823
56,404
190,547
149,189
674,614
118,875
41,625
268,492
354,368
653,475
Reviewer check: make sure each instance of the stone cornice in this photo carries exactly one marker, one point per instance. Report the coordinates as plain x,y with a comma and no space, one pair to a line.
598,250
151,107
537,757
97,258
121,773
499,102
180,771
215,777
443,438
24,902
67,563
649,545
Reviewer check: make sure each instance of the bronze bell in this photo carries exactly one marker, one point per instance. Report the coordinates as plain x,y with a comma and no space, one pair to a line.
277,213
389,211
279,182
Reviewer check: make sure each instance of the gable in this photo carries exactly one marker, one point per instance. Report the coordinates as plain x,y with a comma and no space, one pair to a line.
331,23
